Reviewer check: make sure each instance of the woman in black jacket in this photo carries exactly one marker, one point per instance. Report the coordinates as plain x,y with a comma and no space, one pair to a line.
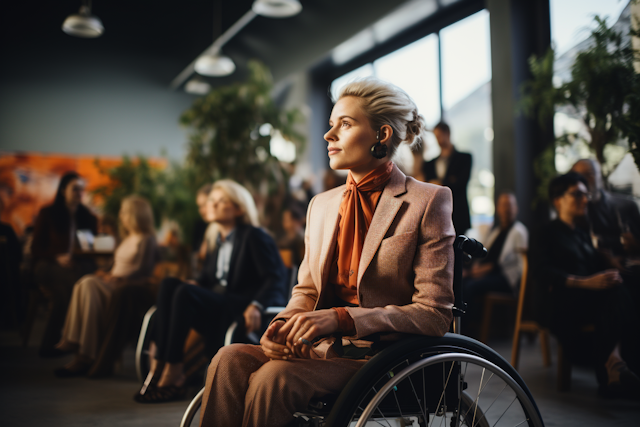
584,288
56,259
242,274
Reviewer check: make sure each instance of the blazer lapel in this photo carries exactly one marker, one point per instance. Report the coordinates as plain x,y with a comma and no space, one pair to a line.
329,234
239,239
384,215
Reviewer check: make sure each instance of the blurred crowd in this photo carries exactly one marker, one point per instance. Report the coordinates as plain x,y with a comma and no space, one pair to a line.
584,266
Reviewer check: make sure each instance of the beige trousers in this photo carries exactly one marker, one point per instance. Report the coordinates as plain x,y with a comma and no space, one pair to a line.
246,388
85,320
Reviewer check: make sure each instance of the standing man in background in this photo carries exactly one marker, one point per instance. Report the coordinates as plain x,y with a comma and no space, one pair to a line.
452,169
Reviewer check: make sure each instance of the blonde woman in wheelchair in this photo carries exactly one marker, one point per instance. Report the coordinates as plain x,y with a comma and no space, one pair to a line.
378,262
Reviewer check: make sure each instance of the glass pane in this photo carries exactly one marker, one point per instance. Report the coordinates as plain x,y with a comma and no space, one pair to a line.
414,68
466,91
572,19
365,71
571,24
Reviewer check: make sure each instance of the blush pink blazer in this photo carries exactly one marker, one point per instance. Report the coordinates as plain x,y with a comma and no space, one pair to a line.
405,277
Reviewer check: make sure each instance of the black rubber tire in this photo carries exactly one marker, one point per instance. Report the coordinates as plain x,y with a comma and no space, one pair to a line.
412,346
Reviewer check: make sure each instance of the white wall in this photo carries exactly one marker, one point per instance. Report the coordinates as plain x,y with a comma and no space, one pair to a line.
92,105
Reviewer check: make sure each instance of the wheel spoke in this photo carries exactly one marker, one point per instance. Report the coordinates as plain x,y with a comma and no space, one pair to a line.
494,404
415,394
442,395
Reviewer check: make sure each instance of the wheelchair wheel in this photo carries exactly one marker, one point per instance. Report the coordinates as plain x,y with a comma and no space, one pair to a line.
491,397
193,411
423,381
142,348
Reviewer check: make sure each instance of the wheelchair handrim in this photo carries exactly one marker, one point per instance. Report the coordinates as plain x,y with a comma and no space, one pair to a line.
528,407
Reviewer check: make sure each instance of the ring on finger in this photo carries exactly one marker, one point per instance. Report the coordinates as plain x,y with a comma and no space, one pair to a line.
304,341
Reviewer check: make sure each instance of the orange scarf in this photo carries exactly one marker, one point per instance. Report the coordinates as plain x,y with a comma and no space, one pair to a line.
356,212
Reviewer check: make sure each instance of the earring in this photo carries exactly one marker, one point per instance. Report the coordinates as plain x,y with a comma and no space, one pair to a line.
378,150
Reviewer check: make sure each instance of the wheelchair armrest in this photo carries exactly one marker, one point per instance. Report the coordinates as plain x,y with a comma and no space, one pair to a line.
273,310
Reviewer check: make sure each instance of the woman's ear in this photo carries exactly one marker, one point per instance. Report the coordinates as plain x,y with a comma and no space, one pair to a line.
386,132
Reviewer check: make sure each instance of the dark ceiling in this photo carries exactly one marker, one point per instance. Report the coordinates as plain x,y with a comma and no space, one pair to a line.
176,32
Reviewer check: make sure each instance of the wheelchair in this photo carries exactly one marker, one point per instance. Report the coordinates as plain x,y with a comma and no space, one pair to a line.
232,334
422,381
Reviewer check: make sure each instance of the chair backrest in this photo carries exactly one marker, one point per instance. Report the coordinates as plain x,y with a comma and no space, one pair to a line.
523,289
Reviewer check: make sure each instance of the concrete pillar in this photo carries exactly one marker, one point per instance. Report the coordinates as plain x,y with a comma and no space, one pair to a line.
518,30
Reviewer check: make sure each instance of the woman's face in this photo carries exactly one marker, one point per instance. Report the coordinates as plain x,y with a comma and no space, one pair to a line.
73,192
221,209
573,203
350,138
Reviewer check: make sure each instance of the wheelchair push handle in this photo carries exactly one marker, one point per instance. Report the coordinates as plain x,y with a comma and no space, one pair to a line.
470,246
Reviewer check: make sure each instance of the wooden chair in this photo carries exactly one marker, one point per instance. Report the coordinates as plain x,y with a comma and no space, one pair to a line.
528,325
491,300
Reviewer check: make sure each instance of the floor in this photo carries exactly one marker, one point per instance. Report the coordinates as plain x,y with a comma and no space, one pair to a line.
30,395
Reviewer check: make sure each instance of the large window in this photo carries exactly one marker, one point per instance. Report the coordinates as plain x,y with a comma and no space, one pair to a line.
571,25
465,77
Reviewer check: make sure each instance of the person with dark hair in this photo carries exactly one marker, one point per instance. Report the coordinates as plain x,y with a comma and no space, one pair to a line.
292,238
614,220
10,259
452,169
583,289
56,259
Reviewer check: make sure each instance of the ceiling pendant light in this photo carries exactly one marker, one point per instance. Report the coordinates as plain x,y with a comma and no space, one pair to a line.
83,24
277,8
197,86
215,65
212,62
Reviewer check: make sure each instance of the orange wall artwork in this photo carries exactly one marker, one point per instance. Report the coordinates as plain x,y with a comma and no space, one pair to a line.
28,181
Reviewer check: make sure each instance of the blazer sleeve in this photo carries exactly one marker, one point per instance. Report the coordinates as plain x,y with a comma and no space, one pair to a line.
305,294
269,269
429,312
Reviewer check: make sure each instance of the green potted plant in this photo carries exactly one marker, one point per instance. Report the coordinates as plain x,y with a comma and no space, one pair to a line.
603,91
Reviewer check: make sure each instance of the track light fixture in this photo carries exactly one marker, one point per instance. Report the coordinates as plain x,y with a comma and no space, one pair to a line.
83,24
277,8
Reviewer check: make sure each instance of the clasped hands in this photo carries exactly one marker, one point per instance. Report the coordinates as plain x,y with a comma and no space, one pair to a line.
284,340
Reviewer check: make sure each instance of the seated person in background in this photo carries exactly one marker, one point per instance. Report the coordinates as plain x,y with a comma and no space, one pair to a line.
500,270
57,264
584,289
242,274
129,304
614,220
10,259
292,238
133,261
397,280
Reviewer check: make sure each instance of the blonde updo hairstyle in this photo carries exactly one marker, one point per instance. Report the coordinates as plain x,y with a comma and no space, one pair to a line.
386,104
243,200
138,213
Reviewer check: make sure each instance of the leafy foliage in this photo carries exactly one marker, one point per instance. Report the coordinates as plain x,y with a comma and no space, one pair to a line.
225,139
604,90
224,142
171,191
